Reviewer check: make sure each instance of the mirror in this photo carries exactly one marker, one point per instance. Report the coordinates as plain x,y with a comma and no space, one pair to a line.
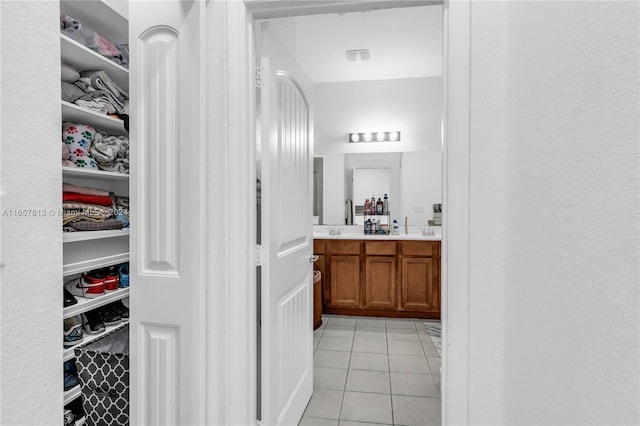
415,184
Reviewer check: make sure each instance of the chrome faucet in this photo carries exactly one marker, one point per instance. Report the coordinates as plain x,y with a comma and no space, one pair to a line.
335,231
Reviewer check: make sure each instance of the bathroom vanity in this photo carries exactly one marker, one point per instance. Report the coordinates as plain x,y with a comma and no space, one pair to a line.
386,275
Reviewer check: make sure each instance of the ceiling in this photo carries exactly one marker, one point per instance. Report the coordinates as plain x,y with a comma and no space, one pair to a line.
403,43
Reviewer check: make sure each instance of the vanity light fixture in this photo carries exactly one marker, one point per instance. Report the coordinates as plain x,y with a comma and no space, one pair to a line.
374,137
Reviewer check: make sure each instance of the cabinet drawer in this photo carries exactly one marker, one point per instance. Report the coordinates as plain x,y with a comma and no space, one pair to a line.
418,248
343,247
385,248
318,246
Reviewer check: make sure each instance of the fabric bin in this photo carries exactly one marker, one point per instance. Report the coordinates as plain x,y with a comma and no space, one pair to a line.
103,371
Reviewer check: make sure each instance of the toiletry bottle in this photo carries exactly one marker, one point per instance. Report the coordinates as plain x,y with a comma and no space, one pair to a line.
367,206
367,227
373,204
385,205
395,228
379,206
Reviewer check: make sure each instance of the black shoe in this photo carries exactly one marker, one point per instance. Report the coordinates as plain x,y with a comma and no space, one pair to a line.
120,308
92,323
69,299
108,315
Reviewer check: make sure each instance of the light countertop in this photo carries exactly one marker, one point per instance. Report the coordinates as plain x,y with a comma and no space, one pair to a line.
351,236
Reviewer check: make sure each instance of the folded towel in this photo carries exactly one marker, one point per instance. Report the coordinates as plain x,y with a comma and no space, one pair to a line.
111,153
89,199
69,187
78,138
85,225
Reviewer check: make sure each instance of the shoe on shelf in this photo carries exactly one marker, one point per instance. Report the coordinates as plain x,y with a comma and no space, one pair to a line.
111,277
123,271
75,407
92,322
70,375
120,308
108,315
73,333
69,299
69,418
86,286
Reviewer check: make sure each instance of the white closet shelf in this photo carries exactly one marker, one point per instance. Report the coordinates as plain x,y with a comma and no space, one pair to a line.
88,338
93,174
93,263
70,237
102,122
107,18
71,394
85,304
84,59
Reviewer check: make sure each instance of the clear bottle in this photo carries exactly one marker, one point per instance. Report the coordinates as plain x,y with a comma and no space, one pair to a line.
385,205
367,206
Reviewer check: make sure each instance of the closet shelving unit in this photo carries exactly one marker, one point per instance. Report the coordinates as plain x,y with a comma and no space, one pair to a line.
87,250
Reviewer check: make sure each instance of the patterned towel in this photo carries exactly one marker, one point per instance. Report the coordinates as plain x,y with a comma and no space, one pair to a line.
78,138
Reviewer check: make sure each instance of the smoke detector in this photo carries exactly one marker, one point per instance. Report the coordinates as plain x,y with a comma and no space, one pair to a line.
357,55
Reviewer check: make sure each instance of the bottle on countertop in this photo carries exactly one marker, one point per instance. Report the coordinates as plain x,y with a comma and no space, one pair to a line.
395,228
385,205
367,227
379,206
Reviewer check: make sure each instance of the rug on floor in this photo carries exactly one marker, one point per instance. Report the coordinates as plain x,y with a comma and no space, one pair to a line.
434,330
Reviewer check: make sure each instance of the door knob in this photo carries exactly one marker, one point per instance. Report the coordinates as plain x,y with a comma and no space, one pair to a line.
313,258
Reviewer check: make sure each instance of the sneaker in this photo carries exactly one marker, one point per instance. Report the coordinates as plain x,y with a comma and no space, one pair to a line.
75,408
86,286
70,375
111,278
69,418
73,333
120,308
124,275
92,323
69,299
108,315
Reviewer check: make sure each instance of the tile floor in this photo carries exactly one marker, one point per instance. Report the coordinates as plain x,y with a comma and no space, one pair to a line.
373,371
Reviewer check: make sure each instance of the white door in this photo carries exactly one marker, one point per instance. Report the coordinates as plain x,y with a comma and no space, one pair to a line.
167,324
287,238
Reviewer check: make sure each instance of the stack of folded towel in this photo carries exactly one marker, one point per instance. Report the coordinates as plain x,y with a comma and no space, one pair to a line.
85,147
93,90
90,209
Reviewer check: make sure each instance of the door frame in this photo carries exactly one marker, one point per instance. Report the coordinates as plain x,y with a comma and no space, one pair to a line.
239,85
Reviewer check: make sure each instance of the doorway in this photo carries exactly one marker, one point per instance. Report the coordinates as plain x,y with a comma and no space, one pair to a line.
392,324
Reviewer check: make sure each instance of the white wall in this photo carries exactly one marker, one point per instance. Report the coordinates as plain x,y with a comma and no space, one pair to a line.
421,176
31,380
554,298
413,106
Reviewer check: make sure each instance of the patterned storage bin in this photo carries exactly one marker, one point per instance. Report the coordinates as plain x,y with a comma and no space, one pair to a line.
103,370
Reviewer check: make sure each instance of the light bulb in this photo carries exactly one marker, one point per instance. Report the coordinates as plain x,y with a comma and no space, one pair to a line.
379,136
367,137
393,136
355,137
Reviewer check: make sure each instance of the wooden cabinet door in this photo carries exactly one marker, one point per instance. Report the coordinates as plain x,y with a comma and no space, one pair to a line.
344,282
380,282
419,286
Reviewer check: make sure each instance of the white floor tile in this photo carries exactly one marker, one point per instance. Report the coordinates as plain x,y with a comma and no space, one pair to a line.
434,364
400,323
409,364
342,320
415,411
329,378
367,361
366,407
313,421
371,333
338,331
405,348
368,381
348,423
371,323
335,344
412,384
325,404
370,346
331,359
403,335
316,340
